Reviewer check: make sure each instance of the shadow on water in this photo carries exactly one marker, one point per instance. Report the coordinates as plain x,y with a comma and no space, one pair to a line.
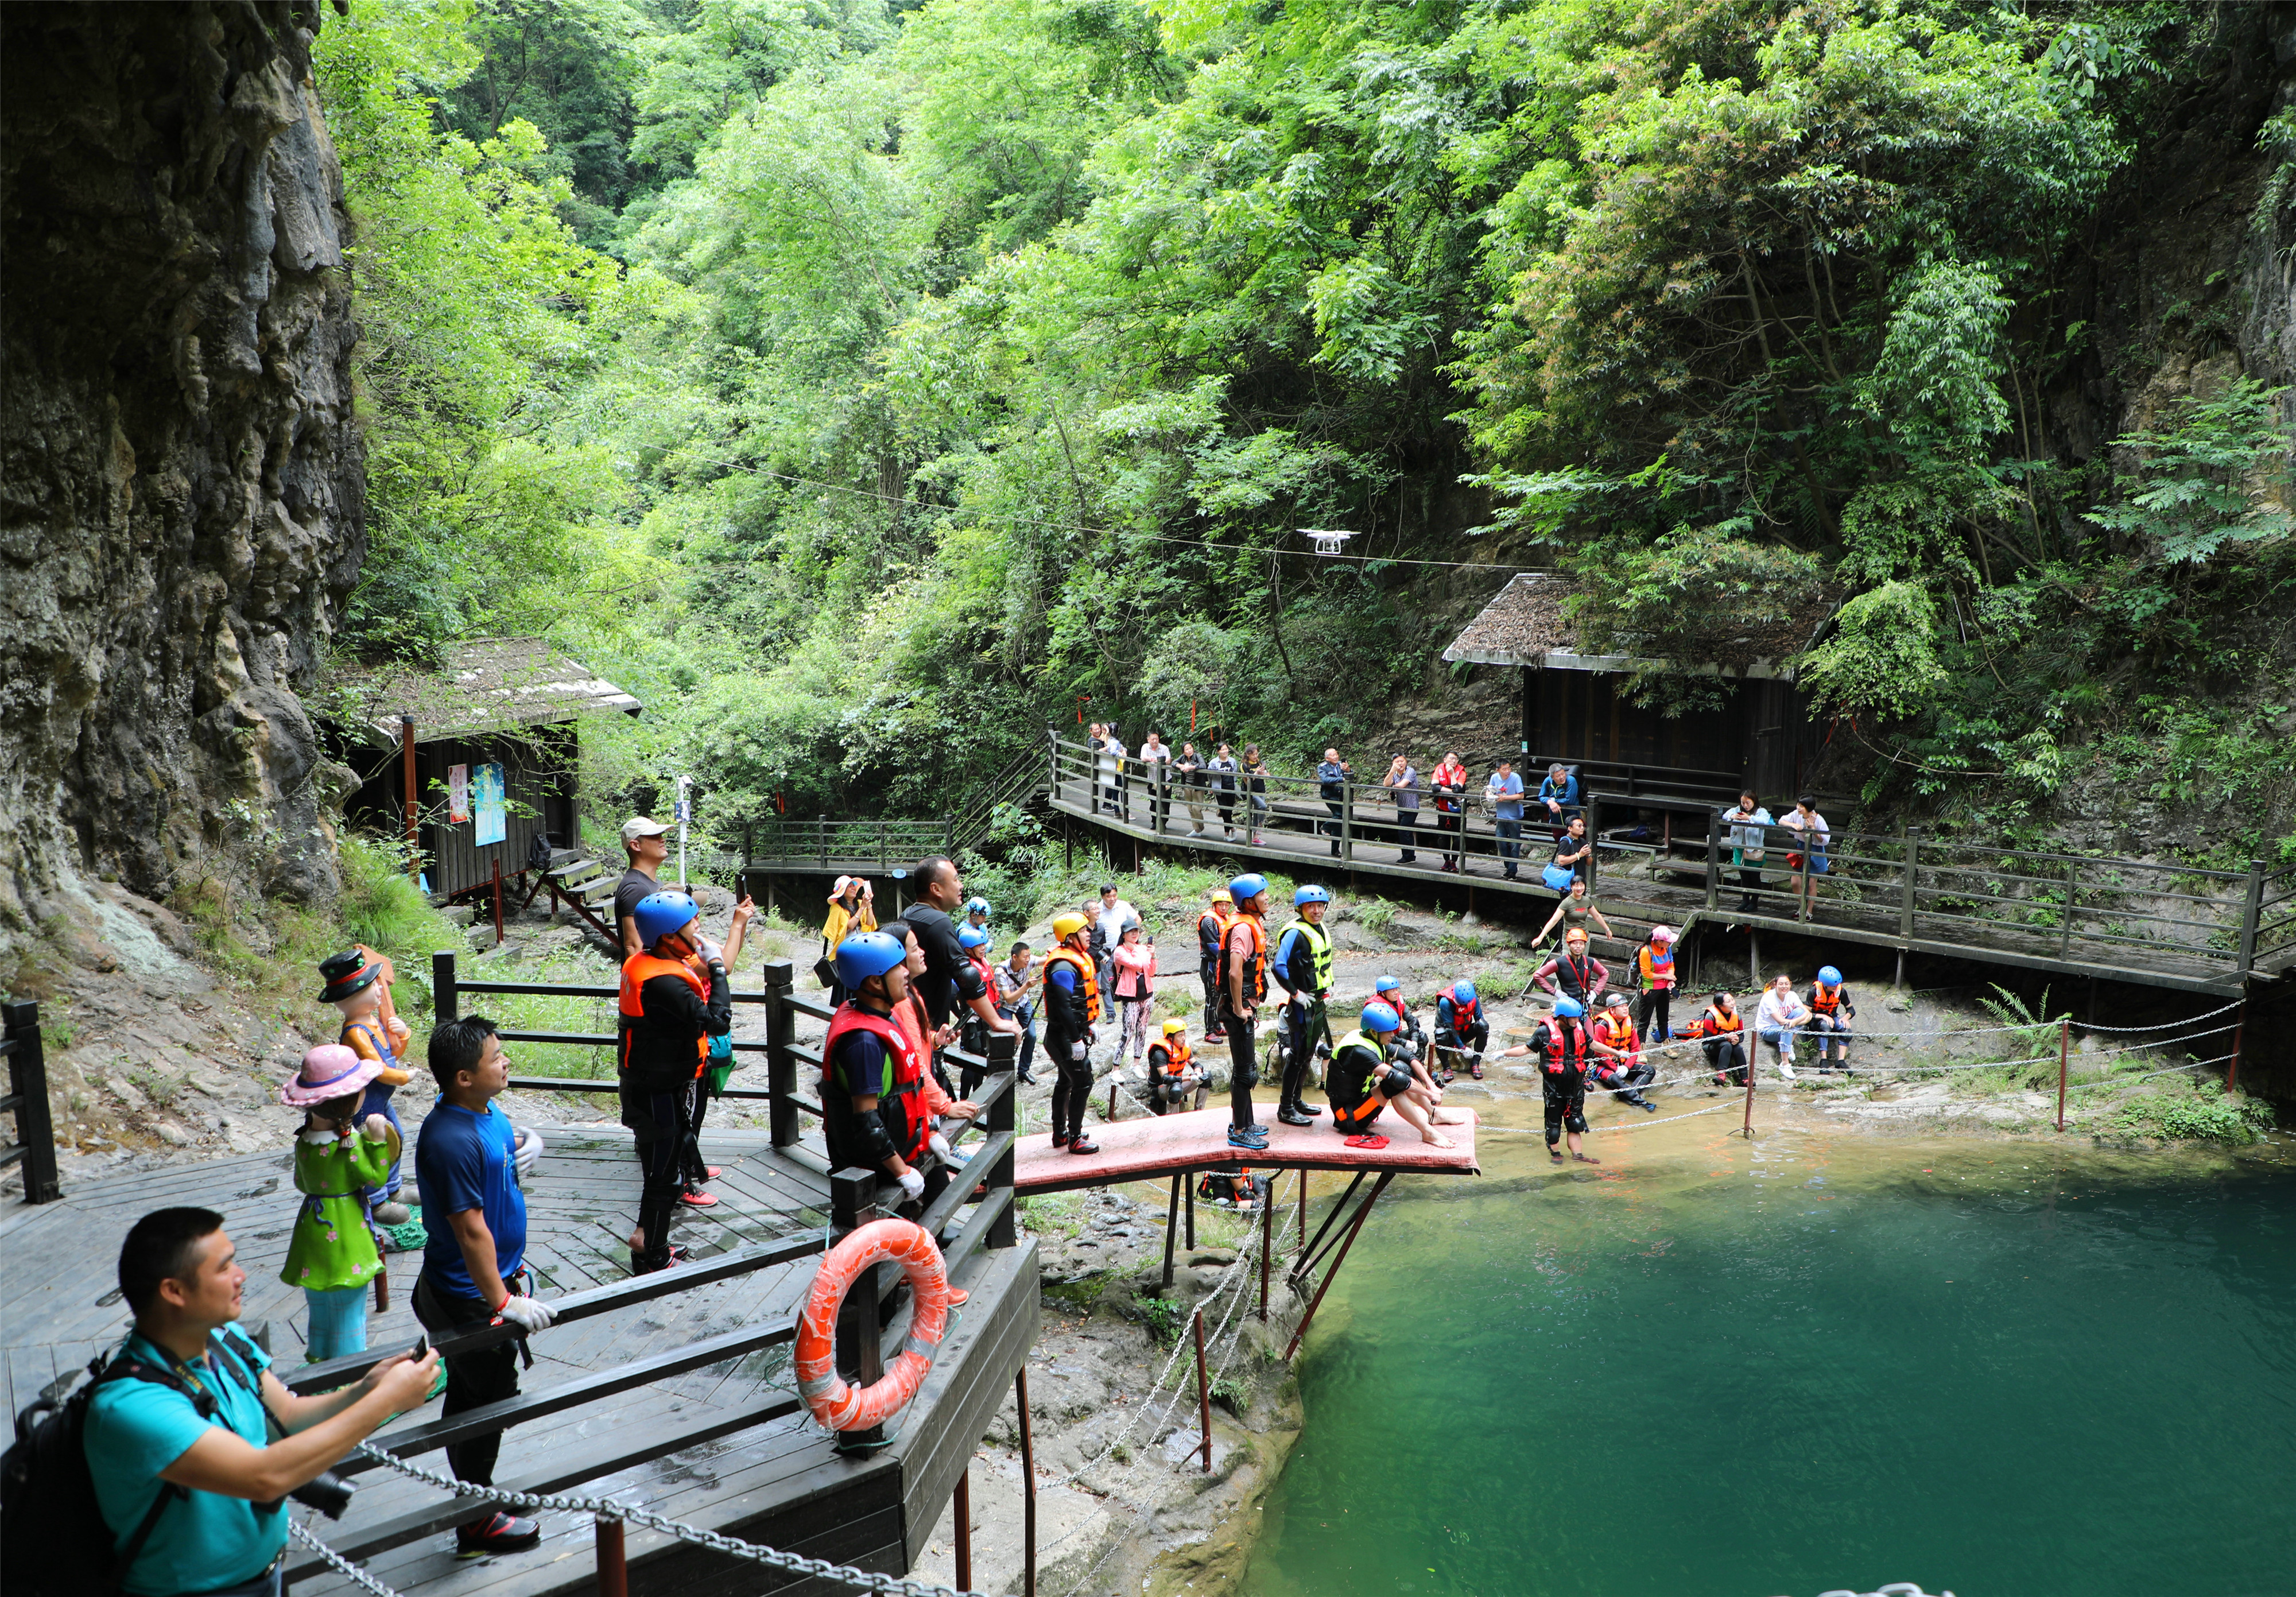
1802,1364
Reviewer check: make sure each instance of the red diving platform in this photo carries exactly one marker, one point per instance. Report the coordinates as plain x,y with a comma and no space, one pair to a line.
1194,1139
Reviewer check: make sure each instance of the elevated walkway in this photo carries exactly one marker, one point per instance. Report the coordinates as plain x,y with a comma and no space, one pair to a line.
1196,1140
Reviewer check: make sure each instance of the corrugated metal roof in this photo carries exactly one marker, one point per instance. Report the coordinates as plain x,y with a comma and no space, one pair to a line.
487,685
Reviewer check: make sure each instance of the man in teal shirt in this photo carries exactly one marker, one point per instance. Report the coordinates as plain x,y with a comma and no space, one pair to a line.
177,1438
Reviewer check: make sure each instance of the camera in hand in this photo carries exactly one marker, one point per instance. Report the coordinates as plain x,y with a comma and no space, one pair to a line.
328,1492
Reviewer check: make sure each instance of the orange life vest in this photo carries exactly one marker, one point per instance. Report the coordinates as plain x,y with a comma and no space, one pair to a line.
1824,1001
1089,982
1256,985
1615,1034
1178,1057
1714,1023
637,970
908,1068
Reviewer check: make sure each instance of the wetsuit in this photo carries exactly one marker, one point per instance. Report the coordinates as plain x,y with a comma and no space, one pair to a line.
1168,1067
1210,927
1582,977
1303,966
1246,945
1628,1073
1360,1082
1071,1010
1834,1013
666,1015
1460,1027
1564,1053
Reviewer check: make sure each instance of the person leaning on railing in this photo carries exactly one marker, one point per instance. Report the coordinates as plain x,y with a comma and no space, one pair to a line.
188,1476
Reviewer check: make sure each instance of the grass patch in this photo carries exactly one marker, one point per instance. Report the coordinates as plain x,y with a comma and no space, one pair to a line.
2205,1113
1375,915
1053,1213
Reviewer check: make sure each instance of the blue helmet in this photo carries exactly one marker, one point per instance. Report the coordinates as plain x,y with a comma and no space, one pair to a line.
971,936
868,953
976,905
1379,1018
1387,984
657,915
1830,975
1569,1009
1311,893
1248,885
1463,992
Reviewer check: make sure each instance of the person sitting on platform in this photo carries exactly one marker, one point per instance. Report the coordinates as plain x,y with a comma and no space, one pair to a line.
1460,1029
1573,849
1831,1013
1573,973
1781,1015
1558,796
1564,1052
1572,912
1071,1017
1723,1031
1620,1068
1173,1079
1365,1079
874,1115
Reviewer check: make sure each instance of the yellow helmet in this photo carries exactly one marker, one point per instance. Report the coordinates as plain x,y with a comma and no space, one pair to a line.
1171,1026
1222,896
1067,925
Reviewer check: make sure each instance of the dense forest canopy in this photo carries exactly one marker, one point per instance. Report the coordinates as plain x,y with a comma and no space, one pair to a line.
865,385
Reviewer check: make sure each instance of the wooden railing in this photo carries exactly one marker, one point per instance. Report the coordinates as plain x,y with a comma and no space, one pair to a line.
887,841
35,1144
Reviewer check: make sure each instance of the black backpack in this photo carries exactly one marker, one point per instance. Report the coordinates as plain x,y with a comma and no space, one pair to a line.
52,1529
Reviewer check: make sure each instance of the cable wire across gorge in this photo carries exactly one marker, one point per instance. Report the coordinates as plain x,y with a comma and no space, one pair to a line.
607,1508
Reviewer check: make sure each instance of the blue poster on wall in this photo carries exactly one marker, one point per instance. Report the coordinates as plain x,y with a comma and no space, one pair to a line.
486,804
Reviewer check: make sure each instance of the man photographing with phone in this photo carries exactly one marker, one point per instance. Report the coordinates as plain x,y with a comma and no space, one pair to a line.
179,1437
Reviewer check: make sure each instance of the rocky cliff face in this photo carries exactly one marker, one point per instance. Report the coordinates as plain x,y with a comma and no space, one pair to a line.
180,476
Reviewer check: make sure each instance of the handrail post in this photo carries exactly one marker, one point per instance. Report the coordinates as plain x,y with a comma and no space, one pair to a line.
1346,825
781,1064
2065,937
2251,916
860,1330
445,1001
1913,875
1713,861
613,1565
28,1080
1002,1116
1594,849
2064,1062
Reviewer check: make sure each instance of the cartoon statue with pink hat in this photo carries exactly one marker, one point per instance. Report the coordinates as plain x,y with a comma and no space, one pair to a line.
339,1154
359,985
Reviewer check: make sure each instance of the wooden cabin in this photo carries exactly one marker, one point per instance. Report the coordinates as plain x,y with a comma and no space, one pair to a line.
490,745
1575,709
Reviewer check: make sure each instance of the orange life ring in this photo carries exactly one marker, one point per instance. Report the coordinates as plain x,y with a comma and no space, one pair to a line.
835,1401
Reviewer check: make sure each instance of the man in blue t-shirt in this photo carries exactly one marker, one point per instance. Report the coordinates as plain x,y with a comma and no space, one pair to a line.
468,1160
178,1439
1504,790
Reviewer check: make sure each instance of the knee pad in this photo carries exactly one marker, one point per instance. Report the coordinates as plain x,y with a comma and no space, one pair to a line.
1394,1081
1576,1121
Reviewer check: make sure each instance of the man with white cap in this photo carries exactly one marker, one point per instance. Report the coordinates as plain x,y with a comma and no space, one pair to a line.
641,841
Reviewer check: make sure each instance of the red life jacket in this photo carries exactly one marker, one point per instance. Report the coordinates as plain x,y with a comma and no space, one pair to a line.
908,1068
1559,1048
1465,1013
637,970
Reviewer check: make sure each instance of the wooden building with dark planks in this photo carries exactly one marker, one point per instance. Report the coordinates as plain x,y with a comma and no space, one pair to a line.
489,746
1576,710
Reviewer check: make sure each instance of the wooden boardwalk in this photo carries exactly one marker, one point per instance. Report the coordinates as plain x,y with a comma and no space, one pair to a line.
771,1475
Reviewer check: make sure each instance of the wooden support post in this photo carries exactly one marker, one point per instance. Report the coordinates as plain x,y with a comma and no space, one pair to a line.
1347,822
498,900
445,998
780,1065
1189,1197
1333,1274
2072,893
407,762
2065,1063
1268,1241
1203,1393
1002,1116
1594,849
2239,1030
1754,960
1713,861
1906,899
1753,1064
613,1566
1112,1091
860,1326
1027,1490
964,1528
27,1083
2251,911
1303,1209
1172,1225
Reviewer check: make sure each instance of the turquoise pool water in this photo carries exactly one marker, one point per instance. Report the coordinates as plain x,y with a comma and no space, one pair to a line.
1740,1371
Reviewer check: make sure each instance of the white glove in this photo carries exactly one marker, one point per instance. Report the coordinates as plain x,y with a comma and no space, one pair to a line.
528,1313
530,1149
377,1129
913,1185
711,954
1076,1050
938,1144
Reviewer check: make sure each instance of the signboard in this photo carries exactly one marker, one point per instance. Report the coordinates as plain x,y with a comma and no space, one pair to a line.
487,803
458,794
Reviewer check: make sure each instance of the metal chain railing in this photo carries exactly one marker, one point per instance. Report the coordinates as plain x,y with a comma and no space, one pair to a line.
607,1508
337,1562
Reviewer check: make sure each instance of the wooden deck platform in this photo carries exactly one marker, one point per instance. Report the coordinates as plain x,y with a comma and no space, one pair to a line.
1196,1140
756,1466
